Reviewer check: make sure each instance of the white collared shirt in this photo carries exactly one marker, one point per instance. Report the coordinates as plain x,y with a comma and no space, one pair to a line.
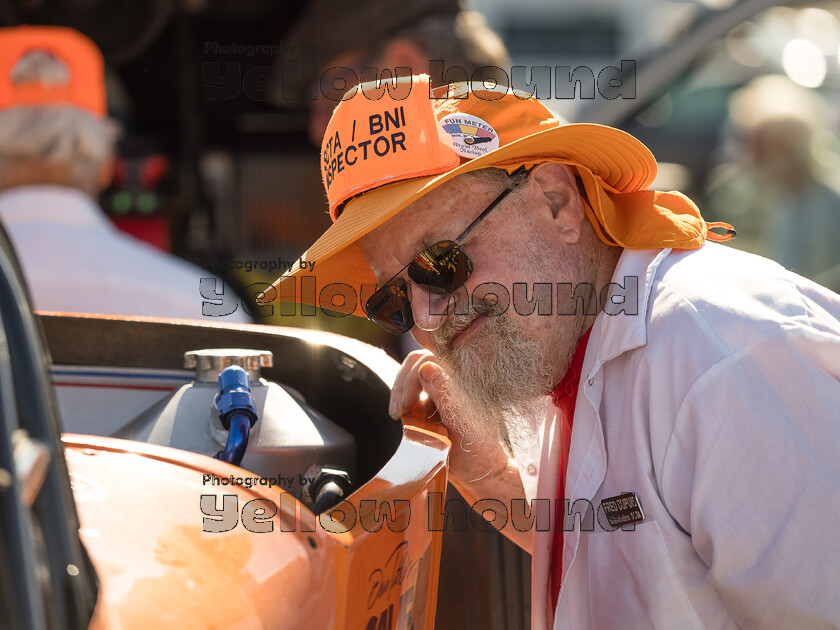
74,259
718,405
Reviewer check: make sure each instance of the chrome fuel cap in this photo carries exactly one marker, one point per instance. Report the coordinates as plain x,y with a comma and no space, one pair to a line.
208,364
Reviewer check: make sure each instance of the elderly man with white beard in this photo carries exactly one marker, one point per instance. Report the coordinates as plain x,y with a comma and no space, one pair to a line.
586,346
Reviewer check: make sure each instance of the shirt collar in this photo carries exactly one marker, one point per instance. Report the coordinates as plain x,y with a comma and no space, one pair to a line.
624,330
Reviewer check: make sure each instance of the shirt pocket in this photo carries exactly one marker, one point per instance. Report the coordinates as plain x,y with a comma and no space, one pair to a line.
633,583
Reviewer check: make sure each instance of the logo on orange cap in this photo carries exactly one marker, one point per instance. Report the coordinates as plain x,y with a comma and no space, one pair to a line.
86,87
471,136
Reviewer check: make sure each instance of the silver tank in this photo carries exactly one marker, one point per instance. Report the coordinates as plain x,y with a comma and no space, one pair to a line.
289,443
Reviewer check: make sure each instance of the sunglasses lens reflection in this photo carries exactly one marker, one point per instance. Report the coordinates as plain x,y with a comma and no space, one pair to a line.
441,268
390,308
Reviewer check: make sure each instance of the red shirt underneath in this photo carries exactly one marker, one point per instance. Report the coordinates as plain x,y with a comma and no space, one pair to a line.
563,397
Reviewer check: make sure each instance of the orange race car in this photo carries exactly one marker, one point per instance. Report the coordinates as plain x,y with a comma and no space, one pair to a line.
245,508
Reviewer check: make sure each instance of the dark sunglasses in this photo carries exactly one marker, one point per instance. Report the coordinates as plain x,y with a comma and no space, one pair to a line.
440,269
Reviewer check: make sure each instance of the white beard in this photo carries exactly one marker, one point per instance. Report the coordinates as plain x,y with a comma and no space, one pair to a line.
498,379
497,382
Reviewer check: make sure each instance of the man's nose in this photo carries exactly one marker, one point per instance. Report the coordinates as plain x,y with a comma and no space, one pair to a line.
430,310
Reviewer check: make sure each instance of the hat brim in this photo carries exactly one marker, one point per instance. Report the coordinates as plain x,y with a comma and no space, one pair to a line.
623,164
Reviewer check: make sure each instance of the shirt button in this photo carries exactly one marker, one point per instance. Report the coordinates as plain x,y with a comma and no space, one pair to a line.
532,470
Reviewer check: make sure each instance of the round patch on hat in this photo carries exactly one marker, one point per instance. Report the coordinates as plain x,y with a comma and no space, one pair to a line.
471,136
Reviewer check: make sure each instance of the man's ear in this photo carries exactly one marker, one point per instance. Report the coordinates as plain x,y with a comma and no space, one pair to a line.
404,53
560,194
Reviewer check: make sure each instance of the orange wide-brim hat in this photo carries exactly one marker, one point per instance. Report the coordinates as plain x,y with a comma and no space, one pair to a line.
86,85
386,147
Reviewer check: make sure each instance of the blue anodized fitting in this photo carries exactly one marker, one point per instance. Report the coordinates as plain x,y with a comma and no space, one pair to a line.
237,412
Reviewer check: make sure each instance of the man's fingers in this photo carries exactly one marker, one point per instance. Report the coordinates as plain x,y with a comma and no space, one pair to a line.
408,395
406,389
431,377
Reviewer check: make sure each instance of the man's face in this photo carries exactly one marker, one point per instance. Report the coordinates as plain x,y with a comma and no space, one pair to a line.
499,364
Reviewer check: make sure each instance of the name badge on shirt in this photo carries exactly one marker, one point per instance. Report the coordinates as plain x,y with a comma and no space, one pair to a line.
623,509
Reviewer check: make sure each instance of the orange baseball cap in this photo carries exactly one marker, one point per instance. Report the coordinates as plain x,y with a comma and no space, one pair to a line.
385,148
86,88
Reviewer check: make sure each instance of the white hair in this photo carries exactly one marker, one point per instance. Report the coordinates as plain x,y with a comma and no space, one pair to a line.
61,138
499,179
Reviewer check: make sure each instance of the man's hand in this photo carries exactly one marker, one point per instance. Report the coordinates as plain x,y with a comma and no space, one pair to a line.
480,470
407,386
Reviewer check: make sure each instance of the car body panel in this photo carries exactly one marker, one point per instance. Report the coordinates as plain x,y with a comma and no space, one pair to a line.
143,526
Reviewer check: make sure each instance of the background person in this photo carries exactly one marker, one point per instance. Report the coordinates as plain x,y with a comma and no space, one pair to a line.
56,148
344,37
778,190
